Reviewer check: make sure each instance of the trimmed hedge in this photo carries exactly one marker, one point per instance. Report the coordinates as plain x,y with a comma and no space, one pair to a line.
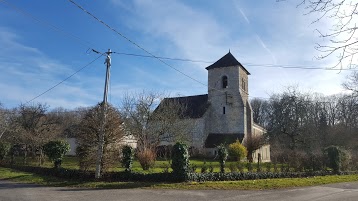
70,174
166,177
180,161
216,176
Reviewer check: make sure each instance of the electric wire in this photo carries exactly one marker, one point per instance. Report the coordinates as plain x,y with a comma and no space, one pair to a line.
50,26
245,64
86,43
143,49
54,86
135,44
166,58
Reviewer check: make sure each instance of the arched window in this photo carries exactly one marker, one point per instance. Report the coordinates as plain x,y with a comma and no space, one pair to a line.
224,81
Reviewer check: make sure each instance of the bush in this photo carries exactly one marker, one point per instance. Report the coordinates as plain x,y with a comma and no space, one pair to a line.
333,154
249,167
146,158
268,167
180,160
234,176
56,150
232,167
78,175
86,157
237,151
346,160
4,150
204,168
222,155
127,157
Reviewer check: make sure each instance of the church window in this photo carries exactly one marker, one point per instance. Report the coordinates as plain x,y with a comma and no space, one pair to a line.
224,82
224,110
243,83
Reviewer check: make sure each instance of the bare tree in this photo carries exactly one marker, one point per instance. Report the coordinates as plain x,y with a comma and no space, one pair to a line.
4,120
32,127
152,125
88,137
288,118
352,82
253,143
342,36
153,121
69,120
260,111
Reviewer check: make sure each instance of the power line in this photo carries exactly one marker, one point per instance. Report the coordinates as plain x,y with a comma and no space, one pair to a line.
166,58
161,59
63,80
246,64
86,43
49,25
135,44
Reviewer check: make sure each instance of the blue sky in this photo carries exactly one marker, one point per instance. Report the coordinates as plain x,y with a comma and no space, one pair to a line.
35,56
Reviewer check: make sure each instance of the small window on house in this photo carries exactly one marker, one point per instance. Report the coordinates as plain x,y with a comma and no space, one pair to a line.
224,110
243,84
224,81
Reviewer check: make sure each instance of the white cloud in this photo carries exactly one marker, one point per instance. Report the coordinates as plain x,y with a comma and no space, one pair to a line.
241,11
26,72
277,34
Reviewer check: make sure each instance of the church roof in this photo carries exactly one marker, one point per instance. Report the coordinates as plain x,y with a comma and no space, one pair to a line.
226,61
193,106
215,139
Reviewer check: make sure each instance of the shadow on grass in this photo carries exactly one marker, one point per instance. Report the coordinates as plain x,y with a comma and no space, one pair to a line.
13,185
93,186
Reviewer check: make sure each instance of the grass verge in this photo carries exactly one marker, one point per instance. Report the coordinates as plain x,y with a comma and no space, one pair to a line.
264,184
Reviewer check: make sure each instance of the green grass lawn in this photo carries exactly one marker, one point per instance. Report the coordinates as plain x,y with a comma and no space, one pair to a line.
264,184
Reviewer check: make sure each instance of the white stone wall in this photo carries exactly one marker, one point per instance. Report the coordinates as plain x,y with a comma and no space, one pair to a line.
233,121
264,150
73,146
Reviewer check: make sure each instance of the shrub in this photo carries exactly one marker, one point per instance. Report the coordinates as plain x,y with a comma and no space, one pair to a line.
268,167
237,151
232,167
180,160
204,168
146,158
240,167
4,150
346,160
192,168
222,155
166,168
333,154
127,157
211,168
56,150
86,157
249,167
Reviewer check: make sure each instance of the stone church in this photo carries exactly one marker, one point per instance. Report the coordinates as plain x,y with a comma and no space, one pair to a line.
224,115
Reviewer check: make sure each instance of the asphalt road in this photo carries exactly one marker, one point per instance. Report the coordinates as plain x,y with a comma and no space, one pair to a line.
10,191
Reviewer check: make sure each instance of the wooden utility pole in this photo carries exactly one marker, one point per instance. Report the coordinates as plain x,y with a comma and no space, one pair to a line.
103,117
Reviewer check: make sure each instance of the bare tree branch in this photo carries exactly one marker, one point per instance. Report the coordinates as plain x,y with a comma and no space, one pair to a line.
342,36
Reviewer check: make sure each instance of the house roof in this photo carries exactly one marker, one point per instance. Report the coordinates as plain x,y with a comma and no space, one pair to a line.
193,106
215,139
226,61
